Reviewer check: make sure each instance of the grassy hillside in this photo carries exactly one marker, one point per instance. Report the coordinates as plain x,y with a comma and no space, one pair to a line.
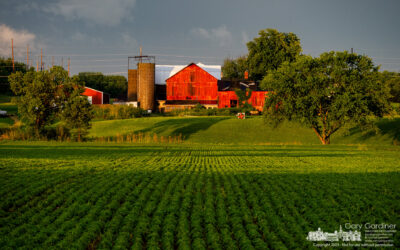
229,130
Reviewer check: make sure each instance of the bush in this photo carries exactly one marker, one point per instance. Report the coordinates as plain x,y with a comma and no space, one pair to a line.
197,111
111,112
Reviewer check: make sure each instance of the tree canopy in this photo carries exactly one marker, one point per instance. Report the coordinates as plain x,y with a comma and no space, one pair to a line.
36,98
270,50
47,95
392,80
266,52
6,69
326,93
234,68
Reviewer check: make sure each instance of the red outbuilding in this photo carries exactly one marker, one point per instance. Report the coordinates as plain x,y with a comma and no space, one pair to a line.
96,96
228,99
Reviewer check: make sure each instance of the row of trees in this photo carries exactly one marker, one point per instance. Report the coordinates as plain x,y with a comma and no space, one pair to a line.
327,93
6,69
47,96
116,86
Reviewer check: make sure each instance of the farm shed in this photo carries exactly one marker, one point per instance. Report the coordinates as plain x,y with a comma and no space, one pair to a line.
96,96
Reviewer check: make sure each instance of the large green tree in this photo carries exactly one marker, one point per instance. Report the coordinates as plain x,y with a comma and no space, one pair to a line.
392,80
46,95
36,100
326,93
234,68
270,50
76,112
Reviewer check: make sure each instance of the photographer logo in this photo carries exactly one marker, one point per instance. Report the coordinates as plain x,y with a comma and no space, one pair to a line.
320,235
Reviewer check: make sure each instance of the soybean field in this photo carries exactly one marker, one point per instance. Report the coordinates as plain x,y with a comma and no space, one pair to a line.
120,196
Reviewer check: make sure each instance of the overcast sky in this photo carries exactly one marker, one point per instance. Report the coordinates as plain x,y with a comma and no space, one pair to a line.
99,35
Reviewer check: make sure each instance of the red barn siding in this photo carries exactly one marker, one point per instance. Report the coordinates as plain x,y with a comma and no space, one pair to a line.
192,83
257,99
97,96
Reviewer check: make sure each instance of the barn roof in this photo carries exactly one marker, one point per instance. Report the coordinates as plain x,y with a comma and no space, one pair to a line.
163,72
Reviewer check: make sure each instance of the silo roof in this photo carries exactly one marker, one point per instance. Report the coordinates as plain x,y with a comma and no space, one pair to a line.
164,72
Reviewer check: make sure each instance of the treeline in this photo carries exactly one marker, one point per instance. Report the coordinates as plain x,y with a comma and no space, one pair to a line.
116,86
6,69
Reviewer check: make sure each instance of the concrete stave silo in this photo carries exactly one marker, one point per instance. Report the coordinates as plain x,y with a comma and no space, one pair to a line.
146,85
132,85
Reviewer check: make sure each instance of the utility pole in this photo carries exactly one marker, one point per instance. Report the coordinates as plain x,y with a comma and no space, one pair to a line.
27,56
140,53
12,53
351,50
37,65
41,59
52,61
68,65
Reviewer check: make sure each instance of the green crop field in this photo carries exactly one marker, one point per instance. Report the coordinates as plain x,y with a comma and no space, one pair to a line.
101,196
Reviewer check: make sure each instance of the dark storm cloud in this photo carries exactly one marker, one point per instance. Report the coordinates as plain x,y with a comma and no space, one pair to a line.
98,35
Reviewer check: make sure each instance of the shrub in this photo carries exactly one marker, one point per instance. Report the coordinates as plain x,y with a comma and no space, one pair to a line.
111,112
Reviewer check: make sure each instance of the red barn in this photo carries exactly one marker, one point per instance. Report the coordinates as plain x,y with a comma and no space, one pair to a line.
96,96
228,99
192,83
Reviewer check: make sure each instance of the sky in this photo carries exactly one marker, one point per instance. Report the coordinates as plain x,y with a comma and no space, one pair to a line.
99,35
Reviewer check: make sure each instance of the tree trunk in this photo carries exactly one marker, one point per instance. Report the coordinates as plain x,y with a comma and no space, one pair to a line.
79,135
325,140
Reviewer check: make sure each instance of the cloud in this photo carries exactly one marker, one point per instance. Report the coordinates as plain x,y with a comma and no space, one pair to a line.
21,39
101,12
128,41
78,36
221,35
82,38
245,37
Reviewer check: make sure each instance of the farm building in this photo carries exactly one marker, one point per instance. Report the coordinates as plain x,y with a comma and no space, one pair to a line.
163,72
193,84
96,96
185,86
227,97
